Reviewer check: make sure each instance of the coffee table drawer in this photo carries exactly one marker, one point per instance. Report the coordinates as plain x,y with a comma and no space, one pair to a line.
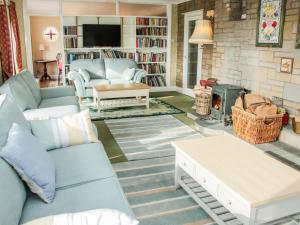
234,204
207,181
186,164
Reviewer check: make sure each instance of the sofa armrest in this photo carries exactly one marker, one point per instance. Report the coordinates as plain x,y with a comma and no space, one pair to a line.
57,92
95,130
78,82
139,75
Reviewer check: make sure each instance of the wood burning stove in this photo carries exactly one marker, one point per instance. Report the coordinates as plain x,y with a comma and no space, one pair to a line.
222,98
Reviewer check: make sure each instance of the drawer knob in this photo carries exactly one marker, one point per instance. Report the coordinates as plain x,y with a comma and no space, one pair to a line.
229,202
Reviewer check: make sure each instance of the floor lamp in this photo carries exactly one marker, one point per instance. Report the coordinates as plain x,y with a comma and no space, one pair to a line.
202,35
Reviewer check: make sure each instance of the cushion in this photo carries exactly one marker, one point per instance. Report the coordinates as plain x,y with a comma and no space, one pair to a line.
66,131
25,153
51,112
95,67
96,82
60,101
18,90
84,74
91,217
115,68
128,73
9,113
12,195
32,84
120,81
105,193
88,163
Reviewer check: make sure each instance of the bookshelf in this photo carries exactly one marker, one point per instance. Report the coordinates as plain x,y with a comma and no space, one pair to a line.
144,39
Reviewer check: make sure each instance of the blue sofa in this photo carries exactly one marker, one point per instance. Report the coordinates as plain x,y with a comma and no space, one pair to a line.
85,179
102,71
40,103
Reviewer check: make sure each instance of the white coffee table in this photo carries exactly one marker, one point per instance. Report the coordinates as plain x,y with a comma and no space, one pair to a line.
253,186
121,95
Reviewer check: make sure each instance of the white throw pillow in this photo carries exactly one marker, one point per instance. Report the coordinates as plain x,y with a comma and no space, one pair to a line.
66,131
85,74
92,217
128,73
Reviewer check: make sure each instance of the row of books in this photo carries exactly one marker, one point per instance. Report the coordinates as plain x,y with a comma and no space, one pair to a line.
154,68
151,57
155,81
81,55
151,21
145,42
117,54
156,31
70,42
70,30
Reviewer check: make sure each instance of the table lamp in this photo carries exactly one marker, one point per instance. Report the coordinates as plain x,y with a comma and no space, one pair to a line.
42,49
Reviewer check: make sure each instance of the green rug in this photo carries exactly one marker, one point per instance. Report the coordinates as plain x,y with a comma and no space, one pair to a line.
157,107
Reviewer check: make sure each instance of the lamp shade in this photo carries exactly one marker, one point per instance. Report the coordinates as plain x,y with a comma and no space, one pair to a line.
202,33
42,47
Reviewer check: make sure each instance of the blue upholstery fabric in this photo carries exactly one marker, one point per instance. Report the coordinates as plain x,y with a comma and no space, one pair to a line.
95,67
114,68
88,162
18,90
57,92
12,195
32,84
105,193
9,113
26,154
60,101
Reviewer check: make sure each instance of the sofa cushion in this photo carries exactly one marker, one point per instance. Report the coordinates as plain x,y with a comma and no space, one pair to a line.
26,155
9,113
18,90
12,195
120,81
95,67
60,101
32,84
105,193
85,74
88,163
114,68
96,82
51,112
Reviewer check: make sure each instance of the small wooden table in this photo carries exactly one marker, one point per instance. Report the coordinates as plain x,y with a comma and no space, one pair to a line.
254,187
121,95
45,76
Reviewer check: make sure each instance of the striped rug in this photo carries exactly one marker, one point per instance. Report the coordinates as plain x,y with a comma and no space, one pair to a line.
148,177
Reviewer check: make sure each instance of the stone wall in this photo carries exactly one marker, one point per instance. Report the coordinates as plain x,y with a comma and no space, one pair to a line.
207,51
236,60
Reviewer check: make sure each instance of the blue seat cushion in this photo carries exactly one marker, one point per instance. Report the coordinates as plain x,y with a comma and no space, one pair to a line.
106,193
95,67
61,101
80,164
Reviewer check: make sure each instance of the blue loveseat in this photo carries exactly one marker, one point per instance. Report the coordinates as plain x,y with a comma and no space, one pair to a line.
40,103
85,179
102,71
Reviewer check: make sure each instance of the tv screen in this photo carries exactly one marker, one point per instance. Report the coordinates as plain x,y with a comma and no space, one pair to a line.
98,35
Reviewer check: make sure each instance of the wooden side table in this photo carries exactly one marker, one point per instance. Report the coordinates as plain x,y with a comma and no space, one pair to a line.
45,76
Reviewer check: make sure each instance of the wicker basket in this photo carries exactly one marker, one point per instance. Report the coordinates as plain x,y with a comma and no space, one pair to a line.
202,100
254,129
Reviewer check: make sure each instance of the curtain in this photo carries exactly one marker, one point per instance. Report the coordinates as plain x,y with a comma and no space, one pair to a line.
16,43
10,46
5,44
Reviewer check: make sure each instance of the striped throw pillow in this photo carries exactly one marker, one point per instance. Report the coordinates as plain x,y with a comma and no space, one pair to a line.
66,131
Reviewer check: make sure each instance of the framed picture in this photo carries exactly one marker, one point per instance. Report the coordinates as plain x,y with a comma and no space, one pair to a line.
298,33
269,32
286,65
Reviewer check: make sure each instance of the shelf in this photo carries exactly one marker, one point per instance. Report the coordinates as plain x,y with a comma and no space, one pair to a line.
152,49
153,36
155,74
149,26
70,35
151,62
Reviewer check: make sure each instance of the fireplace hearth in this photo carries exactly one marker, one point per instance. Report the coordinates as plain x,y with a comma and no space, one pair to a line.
222,98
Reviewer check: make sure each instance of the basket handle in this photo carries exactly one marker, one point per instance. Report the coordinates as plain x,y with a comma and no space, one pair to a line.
269,124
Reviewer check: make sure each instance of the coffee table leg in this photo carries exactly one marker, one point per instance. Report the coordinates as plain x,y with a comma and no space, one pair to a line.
147,101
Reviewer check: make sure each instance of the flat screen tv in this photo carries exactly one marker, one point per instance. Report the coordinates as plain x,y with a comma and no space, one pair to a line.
100,35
